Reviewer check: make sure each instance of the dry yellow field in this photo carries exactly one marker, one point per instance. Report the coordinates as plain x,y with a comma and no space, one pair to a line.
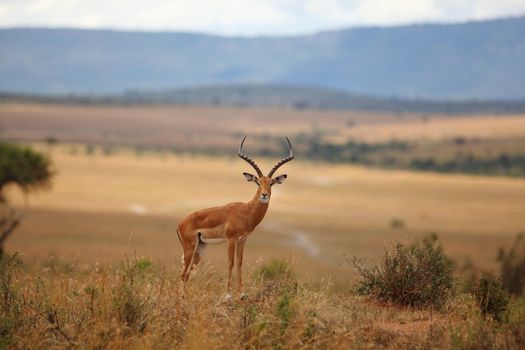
104,207
194,126
164,125
438,128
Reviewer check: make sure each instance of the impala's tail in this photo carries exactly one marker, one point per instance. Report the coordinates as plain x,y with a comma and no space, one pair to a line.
178,235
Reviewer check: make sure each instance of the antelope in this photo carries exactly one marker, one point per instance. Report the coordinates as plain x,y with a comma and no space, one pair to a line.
231,223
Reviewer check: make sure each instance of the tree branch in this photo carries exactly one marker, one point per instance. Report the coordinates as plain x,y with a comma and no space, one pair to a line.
7,230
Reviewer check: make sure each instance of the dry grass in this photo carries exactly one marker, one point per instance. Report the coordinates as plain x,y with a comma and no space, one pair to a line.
139,304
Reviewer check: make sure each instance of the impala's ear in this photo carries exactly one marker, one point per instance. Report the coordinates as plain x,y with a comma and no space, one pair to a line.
251,178
279,179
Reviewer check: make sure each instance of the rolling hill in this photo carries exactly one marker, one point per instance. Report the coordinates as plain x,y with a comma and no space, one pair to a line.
474,60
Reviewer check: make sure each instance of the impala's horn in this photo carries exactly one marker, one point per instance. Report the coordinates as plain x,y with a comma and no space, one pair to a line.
285,160
249,160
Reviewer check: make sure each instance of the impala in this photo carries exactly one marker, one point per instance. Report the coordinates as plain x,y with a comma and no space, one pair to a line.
231,223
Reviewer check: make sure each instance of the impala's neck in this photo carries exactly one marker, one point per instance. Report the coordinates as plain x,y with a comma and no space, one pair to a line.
257,209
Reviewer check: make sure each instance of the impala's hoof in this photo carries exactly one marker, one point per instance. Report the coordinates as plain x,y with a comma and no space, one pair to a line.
244,296
228,297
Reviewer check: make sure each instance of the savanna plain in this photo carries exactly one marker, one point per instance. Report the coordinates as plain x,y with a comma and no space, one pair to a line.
98,256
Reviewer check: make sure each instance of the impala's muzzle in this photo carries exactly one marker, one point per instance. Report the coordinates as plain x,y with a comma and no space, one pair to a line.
264,198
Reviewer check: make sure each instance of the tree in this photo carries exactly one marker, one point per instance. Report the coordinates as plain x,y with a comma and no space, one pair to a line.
25,168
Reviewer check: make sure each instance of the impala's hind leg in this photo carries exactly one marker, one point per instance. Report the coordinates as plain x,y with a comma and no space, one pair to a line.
183,257
197,256
199,253
186,261
190,256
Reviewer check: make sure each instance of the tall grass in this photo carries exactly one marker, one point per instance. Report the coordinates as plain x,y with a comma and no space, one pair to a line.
140,304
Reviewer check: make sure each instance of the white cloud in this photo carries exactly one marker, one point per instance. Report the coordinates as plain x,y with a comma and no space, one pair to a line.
486,8
4,11
390,12
246,17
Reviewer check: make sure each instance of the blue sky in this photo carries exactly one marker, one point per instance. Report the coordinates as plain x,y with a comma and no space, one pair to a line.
246,17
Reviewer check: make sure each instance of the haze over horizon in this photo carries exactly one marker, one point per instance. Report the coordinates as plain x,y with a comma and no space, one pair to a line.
247,17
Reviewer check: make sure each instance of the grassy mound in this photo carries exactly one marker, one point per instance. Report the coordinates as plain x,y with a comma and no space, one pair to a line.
140,304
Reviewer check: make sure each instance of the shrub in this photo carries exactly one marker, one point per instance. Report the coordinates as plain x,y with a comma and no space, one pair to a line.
516,320
10,313
469,276
491,297
418,275
513,266
272,318
478,336
108,150
397,223
274,270
143,264
132,307
283,308
90,149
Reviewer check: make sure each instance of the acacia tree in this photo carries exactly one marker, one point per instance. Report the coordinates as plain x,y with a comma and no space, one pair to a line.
25,168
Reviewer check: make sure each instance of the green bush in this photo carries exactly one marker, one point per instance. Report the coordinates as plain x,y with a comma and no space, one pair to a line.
274,270
491,297
513,266
419,275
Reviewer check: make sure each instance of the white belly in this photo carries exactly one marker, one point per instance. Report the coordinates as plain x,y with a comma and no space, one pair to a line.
213,240
212,235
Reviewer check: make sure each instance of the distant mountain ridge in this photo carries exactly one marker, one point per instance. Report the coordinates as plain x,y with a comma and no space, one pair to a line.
473,60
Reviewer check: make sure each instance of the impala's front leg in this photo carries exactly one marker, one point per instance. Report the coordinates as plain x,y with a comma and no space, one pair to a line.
239,254
231,255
